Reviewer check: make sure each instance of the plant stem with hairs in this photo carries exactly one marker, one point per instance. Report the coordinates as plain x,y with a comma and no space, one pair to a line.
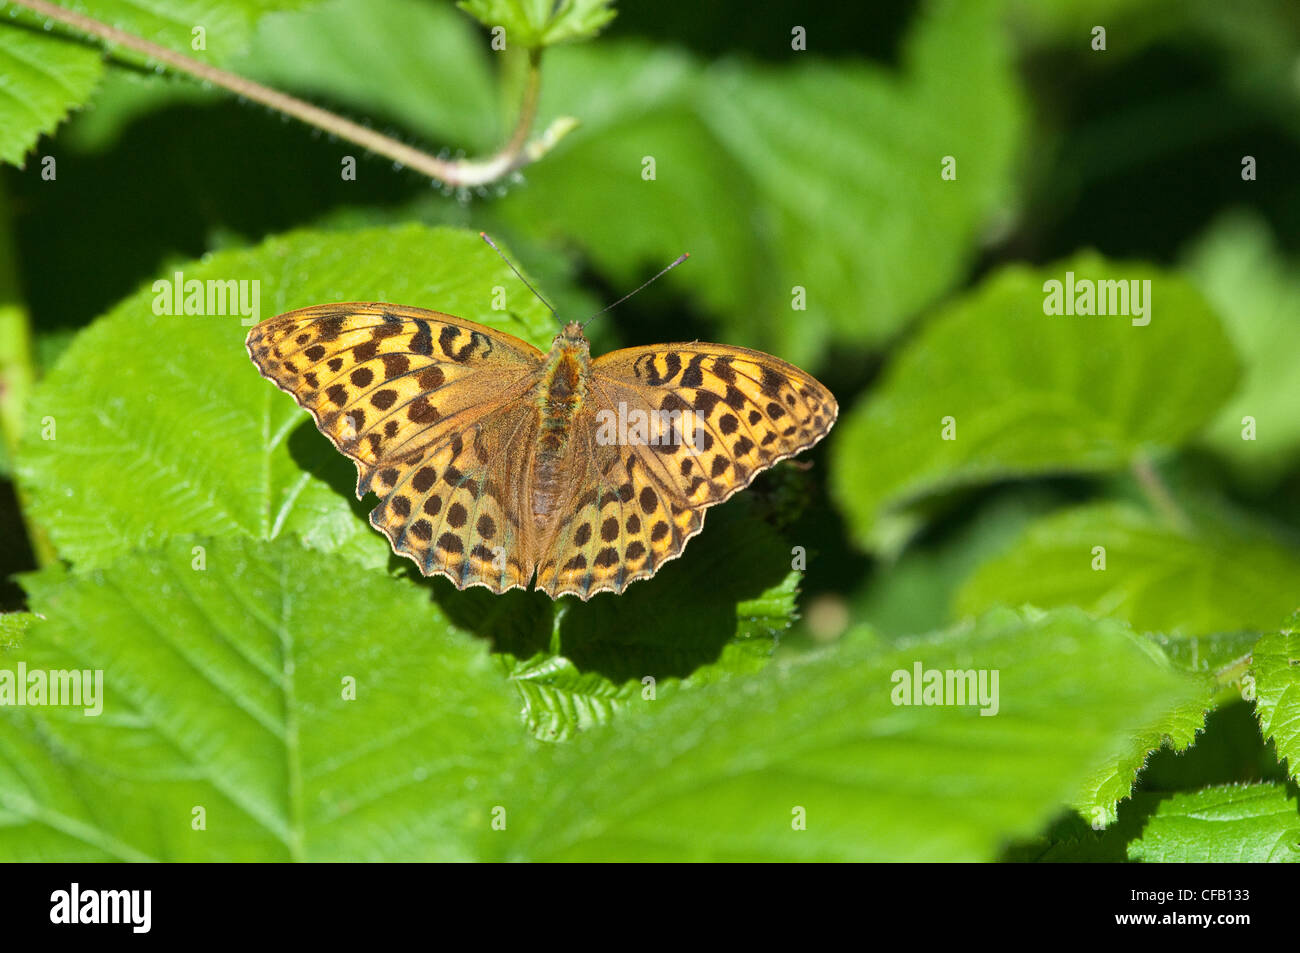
457,173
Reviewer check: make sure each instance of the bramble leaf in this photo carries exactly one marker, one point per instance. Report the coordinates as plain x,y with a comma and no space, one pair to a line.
1276,671
994,388
165,427
1212,578
1238,823
811,760
274,704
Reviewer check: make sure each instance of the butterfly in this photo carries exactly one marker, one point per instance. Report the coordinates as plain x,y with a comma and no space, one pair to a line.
497,464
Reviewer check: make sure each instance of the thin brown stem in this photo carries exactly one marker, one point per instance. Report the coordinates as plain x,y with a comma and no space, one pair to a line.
463,173
1156,491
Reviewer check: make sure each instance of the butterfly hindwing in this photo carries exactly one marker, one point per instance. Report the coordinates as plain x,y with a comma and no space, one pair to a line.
455,508
619,526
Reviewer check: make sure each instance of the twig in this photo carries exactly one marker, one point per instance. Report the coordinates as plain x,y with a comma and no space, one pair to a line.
1233,672
1156,491
458,173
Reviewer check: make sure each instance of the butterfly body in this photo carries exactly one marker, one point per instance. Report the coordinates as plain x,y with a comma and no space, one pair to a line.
561,391
497,464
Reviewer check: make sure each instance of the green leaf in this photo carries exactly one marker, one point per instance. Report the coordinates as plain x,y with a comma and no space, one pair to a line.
226,688
1030,393
1276,670
1238,823
719,773
45,78
558,700
1257,292
832,176
1213,578
537,23
164,426
1219,661
850,161
1176,728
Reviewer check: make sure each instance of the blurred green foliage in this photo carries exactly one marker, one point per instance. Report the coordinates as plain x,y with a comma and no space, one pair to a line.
883,208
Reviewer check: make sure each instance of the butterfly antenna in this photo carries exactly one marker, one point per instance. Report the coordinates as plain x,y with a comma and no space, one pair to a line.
680,258
484,236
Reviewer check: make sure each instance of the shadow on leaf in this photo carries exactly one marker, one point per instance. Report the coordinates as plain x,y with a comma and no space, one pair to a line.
312,451
669,625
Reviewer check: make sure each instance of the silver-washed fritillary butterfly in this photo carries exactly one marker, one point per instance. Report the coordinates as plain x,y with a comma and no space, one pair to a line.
495,463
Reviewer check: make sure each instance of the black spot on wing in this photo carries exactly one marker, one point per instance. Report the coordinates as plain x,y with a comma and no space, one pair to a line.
422,340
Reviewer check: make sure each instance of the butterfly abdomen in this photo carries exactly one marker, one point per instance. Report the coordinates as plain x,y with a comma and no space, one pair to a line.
562,390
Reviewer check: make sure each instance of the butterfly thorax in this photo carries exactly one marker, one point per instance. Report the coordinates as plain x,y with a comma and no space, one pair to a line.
561,391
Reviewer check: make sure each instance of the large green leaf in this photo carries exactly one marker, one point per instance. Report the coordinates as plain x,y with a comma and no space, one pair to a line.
1030,393
832,174
1276,671
721,772
226,688
849,162
1214,577
1240,823
164,427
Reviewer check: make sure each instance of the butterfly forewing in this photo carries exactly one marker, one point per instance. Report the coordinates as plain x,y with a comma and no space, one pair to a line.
384,381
